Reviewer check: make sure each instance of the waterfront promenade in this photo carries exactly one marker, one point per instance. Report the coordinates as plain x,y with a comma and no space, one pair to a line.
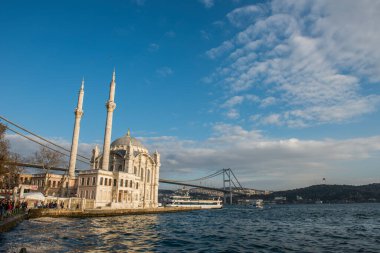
12,221
37,213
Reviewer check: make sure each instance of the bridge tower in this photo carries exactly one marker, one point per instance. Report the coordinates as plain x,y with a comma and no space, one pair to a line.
227,174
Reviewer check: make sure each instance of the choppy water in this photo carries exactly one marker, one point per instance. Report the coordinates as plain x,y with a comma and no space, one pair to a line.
277,228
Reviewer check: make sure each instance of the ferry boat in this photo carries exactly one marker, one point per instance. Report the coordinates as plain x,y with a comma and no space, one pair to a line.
186,201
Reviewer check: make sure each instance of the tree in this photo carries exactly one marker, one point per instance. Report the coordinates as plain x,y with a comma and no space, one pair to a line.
9,173
48,159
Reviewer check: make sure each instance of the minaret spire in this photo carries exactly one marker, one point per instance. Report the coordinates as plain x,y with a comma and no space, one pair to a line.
74,144
110,105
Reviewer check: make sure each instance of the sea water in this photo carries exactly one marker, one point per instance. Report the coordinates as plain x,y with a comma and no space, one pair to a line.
275,228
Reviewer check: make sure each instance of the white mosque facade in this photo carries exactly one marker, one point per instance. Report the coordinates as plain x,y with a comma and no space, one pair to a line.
131,180
124,175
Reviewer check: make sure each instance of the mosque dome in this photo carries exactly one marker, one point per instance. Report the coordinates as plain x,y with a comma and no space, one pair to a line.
124,141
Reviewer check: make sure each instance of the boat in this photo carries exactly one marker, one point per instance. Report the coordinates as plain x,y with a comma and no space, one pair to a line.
259,203
186,201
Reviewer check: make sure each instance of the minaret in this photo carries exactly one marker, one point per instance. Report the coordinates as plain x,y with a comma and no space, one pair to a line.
74,145
110,105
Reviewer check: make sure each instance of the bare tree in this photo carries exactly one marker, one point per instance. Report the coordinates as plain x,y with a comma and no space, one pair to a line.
48,159
9,173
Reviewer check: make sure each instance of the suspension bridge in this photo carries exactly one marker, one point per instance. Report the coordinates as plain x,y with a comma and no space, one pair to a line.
230,183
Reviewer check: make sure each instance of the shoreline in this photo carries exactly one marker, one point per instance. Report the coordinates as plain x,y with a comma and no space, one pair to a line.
12,222
55,213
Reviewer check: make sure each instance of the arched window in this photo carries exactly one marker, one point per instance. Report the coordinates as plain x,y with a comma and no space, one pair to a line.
93,194
130,184
88,181
82,181
126,183
49,183
135,170
114,182
121,182
120,168
94,181
53,184
148,177
137,185
101,181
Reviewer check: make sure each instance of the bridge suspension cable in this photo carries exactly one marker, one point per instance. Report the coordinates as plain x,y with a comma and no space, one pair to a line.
43,145
205,177
40,137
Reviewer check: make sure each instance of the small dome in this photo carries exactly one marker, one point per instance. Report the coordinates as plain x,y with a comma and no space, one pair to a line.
124,141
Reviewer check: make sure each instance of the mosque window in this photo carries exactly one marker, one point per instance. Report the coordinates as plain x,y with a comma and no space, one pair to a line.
101,181
126,183
114,182
121,182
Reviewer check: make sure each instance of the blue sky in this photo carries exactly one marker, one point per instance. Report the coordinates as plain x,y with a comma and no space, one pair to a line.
284,92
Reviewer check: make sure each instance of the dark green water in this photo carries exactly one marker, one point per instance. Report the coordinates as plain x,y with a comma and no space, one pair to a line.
277,228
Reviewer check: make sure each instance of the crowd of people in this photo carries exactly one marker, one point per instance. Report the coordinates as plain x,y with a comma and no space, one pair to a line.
10,207
52,204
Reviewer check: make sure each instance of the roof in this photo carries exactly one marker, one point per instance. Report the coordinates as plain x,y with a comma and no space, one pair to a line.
124,141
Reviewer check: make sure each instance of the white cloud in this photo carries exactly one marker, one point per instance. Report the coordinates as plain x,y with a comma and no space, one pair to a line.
170,34
235,100
268,101
244,15
164,71
233,114
273,119
270,163
153,47
258,161
313,60
215,52
207,3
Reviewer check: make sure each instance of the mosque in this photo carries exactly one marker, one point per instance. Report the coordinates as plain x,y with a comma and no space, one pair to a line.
124,175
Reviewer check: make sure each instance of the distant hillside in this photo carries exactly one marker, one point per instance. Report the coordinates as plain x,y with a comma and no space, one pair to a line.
332,193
